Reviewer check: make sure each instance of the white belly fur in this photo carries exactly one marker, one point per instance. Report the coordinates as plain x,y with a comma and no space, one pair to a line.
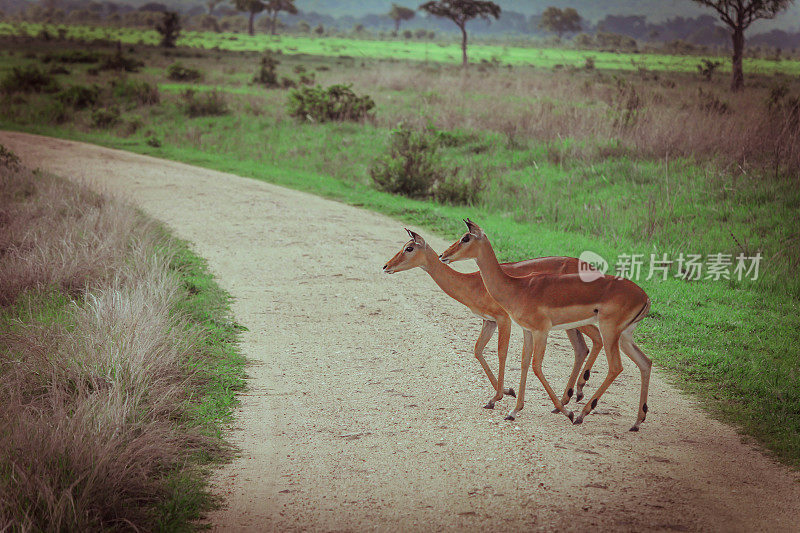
571,325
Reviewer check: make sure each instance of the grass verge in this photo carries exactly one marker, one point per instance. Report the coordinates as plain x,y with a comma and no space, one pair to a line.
118,364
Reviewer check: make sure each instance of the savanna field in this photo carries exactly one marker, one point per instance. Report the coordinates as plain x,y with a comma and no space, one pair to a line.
554,151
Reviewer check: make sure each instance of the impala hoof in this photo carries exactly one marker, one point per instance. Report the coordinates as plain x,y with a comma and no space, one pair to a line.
555,411
578,420
579,397
634,428
510,392
509,417
571,416
489,405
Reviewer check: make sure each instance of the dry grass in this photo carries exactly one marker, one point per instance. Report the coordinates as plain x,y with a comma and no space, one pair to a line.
93,361
673,115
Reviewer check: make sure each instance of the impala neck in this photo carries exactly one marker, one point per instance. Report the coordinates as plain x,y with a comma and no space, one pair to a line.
496,281
444,276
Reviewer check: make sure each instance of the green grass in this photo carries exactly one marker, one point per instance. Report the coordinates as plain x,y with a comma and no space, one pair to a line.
445,52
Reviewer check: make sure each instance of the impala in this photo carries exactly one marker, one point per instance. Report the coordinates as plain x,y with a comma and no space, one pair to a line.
469,290
541,302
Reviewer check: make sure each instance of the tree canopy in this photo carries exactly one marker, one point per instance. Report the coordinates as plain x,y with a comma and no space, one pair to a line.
399,14
560,21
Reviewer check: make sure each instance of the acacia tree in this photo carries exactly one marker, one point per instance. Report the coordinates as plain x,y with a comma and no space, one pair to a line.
738,15
560,22
275,6
460,12
399,14
253,7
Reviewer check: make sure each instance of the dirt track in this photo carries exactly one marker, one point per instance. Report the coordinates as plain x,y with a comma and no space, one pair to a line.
364,409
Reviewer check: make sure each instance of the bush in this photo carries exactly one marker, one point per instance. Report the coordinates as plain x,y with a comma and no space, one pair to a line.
177,72
134,92
711,103
209,103
80,96
337,102
707,68
118,61
153,141
28,79
266,75
72,56
457,191
170,28
105,118
412,165
9,159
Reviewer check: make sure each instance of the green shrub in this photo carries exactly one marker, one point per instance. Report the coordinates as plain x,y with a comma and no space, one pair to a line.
707,68
208,103
458,191
28,79
105,117
9,159
153,141
337,102
178,72
412,166
134,92
266,74
118,61
72,56
79,96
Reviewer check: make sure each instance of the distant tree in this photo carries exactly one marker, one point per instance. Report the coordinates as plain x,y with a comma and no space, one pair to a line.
738,15
212,5
170,29
273,7
253,7
319,30
303,26
154,6
399,13
560,21
460,12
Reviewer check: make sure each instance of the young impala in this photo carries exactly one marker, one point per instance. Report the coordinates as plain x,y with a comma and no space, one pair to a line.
469,290
541,302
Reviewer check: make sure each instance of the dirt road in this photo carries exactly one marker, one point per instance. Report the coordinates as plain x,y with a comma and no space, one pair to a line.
364,409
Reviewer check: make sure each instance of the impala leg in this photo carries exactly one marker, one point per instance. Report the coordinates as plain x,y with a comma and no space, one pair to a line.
483,339
581,351
503,338
539,345
611,342
597,344
527,352
644,364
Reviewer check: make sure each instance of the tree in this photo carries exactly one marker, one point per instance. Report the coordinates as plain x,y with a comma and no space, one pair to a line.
460,12
253,7
170,29
212,5
738,15
274,6
560,22
399,14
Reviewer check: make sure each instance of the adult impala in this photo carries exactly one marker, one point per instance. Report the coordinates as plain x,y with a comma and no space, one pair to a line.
541,302
469,290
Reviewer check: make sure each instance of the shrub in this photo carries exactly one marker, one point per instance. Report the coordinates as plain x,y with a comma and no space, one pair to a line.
177,72
266,74
170,28
72,56
458,191
711,103
337,102
9,159
118,61
208,103
105,117
134,92
412,165
79,96
153,141
28,79
707,68
589,64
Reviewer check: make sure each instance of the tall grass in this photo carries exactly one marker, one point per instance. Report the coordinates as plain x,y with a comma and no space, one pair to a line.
99,379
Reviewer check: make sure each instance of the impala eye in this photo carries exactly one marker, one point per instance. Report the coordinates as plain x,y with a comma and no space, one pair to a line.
465,239
410,249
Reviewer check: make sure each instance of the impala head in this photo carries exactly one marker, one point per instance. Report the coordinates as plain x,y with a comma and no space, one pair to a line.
467,246
412,255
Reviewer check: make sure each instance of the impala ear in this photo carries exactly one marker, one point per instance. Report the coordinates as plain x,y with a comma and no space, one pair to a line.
416,237
473,228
